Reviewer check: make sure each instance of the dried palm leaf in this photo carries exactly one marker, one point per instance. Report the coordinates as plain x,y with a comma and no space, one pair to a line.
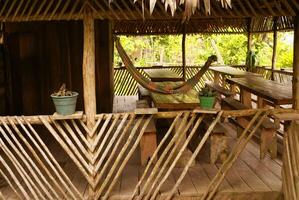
152,4
207,5
190,7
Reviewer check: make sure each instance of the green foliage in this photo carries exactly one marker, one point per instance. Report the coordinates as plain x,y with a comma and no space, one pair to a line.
167,50
207,92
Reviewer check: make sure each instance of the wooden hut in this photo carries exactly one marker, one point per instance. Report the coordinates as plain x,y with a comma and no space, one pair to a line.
47,42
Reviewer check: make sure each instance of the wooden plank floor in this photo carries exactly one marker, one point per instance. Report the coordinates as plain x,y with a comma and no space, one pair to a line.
249,178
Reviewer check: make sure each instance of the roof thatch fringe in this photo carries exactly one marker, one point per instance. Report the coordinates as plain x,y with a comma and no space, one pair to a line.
190,5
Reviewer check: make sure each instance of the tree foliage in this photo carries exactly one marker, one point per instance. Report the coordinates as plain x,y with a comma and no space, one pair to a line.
167,49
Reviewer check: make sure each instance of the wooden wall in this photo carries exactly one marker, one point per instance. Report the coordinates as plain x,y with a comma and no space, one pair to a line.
40,57
104,65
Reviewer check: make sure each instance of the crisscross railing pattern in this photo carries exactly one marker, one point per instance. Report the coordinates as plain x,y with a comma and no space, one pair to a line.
33,172
125,85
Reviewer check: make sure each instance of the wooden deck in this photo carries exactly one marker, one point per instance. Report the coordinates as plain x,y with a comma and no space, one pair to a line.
249,178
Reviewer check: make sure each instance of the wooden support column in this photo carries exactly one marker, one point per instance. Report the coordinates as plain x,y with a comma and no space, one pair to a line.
274,48
296,65
184,52
89,90
249,36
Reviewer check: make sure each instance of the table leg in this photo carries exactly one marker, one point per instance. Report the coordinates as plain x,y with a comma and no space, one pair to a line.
216,77
233,89
246,98
260,102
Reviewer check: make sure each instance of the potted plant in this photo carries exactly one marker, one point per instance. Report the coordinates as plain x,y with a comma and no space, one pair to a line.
207,98
65,101
250,61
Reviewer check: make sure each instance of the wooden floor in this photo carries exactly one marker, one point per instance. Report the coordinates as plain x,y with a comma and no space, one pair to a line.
250,178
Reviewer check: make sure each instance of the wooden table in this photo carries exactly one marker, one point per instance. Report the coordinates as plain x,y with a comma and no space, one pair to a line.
179,101
274,92
164,102
161,75
229,71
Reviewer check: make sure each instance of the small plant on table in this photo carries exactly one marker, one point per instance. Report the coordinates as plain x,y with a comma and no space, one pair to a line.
207,98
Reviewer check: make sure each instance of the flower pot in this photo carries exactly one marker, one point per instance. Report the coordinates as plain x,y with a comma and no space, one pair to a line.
206,102
65,105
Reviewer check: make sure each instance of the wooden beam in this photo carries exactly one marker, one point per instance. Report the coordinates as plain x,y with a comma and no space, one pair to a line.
296,64
184,52
274,47
88,68
249,35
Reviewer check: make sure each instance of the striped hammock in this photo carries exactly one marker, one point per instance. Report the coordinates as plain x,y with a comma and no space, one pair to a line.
154,86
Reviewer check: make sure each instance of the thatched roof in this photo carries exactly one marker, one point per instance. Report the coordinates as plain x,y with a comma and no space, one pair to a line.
212,25
160,16
24,10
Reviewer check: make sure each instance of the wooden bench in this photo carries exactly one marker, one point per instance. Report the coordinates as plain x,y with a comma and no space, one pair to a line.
219,89
143,94
267,129
148,142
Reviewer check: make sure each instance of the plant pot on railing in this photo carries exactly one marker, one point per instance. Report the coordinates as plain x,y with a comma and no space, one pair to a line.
207,98
65,101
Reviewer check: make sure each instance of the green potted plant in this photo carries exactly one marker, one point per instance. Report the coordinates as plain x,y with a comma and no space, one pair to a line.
65,101
250,61
207,98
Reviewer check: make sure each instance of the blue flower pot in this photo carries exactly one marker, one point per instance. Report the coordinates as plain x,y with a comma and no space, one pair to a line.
65,105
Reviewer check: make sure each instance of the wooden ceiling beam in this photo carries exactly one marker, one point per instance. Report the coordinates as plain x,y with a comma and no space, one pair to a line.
112,11
4,7
18,8
72,9
137,8
94,10
242,7
41,6
32,7
10,9
296,4
122,11
47,9
103,11
130,10
55,9
289,8
269,7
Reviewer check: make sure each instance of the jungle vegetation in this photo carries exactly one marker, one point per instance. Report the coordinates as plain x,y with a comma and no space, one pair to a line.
166,50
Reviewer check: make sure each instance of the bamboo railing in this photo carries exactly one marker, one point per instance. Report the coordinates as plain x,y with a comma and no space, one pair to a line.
125,85
32,171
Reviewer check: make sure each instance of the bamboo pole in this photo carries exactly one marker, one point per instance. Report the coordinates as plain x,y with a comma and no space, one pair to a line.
89,89
274,47
296,64
184,52
249,35
89,70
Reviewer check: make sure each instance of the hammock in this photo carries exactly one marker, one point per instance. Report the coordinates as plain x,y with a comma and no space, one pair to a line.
154,86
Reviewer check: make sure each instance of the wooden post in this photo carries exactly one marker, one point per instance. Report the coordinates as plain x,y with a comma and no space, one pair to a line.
296,65
274,47
89,70
249,36
184,52
89,79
